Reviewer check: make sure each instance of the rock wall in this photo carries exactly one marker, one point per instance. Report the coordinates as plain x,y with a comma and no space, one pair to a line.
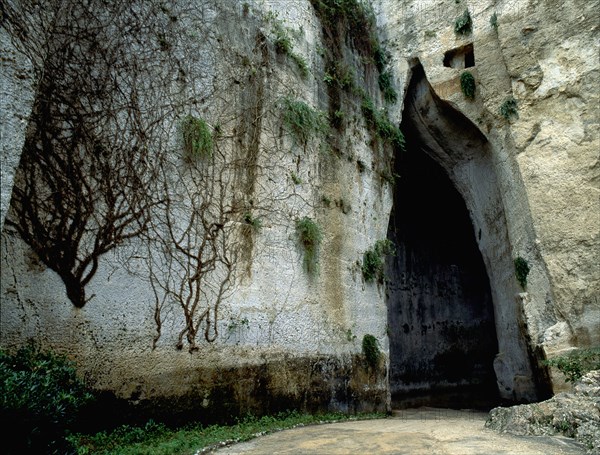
510,197
283,338
529,183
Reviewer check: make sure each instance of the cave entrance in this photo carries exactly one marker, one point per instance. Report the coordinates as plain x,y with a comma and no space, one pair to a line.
443,338
457,331
444,350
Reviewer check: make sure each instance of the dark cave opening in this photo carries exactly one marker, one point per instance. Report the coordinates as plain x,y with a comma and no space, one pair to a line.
440,311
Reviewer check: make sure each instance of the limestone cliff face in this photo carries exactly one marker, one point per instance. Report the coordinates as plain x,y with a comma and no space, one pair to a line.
285,338
543,161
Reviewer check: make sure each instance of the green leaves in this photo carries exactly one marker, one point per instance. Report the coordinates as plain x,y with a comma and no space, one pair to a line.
41,394
467,84
463,24
576,364
521,271
509,109
370,349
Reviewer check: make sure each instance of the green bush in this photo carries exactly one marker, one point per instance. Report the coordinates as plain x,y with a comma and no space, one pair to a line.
310,236
302,120
467,84
508,108
521,271
575,364
373,260
370,349
463,24
40,399
197,139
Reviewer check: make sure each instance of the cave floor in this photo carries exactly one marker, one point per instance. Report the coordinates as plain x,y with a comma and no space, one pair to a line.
427,431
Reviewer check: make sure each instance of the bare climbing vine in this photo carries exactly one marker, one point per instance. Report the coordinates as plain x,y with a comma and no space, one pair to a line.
104,165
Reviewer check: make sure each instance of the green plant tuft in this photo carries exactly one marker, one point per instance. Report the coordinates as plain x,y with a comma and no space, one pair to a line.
370,349
310,236
467,84
381,125
282,41
283,45
301,64
577,363
303,120
385,85
494,21
254,223
373,260
197,139
521,270
509,108
463,24
295,178
41,396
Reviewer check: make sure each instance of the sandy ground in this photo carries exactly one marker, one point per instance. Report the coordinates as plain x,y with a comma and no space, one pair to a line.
423,431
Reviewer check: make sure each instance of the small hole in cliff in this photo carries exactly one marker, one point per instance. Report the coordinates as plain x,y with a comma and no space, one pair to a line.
461,57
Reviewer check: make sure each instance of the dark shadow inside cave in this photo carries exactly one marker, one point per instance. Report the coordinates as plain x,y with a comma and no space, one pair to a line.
440,312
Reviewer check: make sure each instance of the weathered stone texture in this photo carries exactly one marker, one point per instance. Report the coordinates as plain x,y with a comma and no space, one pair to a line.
575,414
545,160
530,184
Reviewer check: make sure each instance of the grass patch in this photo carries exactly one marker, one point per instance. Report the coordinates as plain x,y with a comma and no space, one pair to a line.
197,138
463,25
302,120
372,266
156,439
467,84
295,178
300,63
310,236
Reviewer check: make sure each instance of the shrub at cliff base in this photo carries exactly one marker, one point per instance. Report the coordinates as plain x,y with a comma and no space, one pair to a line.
40,399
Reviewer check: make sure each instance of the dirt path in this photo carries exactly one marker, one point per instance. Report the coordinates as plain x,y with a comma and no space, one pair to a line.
423,431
